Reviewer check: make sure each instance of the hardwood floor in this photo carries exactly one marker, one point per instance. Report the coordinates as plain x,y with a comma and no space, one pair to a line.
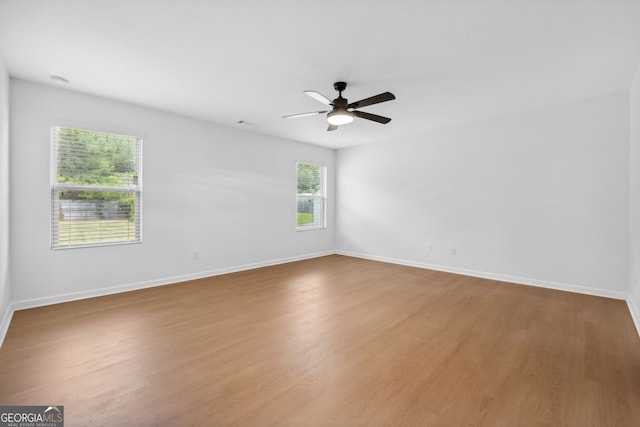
332,341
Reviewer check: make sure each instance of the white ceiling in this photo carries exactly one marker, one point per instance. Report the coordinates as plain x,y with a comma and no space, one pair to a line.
447,62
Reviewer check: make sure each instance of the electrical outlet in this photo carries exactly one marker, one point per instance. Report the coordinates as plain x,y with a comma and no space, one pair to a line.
196,255
429,248
454,251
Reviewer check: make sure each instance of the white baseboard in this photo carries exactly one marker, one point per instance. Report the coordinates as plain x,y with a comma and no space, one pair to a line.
74,296
6,321
635,313
494,276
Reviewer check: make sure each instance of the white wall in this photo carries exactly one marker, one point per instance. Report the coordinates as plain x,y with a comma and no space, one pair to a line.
226,193
5,285
634,251
539,197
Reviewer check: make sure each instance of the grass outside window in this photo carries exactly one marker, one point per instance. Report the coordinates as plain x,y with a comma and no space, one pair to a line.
78,232
303,218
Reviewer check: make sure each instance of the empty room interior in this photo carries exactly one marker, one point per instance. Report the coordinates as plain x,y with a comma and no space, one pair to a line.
337,213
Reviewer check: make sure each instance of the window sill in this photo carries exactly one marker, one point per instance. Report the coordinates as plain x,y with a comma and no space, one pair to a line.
94,245
310,228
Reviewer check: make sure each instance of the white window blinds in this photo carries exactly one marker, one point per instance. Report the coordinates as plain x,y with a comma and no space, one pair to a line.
310,196
96,188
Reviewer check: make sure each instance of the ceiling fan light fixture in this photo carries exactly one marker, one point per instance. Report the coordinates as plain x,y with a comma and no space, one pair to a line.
339,117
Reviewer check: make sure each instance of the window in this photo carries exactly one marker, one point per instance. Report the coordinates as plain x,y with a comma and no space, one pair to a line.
96,188
310,197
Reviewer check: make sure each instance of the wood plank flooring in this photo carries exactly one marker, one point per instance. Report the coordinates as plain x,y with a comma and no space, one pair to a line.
332,341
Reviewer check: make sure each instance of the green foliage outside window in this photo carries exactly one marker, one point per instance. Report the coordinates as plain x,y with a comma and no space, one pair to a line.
91,158
309,178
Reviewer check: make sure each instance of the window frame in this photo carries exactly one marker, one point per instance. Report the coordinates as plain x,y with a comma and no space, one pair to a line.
135,189
322,197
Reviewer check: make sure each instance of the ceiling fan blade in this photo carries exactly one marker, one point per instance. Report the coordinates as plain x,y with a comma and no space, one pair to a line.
318,97
293,116
332,127
374,117
387,96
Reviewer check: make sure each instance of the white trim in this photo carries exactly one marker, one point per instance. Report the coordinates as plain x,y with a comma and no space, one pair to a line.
6,321
74,296
493,276
635,313
302,228
99,128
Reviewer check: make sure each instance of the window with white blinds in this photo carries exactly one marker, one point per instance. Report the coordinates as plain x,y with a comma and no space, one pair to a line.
96,188
311,196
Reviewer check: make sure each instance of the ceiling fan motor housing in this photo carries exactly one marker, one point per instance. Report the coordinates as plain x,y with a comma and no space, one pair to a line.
340,103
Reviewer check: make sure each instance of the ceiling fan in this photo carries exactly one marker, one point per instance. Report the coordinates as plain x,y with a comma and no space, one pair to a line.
344,112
